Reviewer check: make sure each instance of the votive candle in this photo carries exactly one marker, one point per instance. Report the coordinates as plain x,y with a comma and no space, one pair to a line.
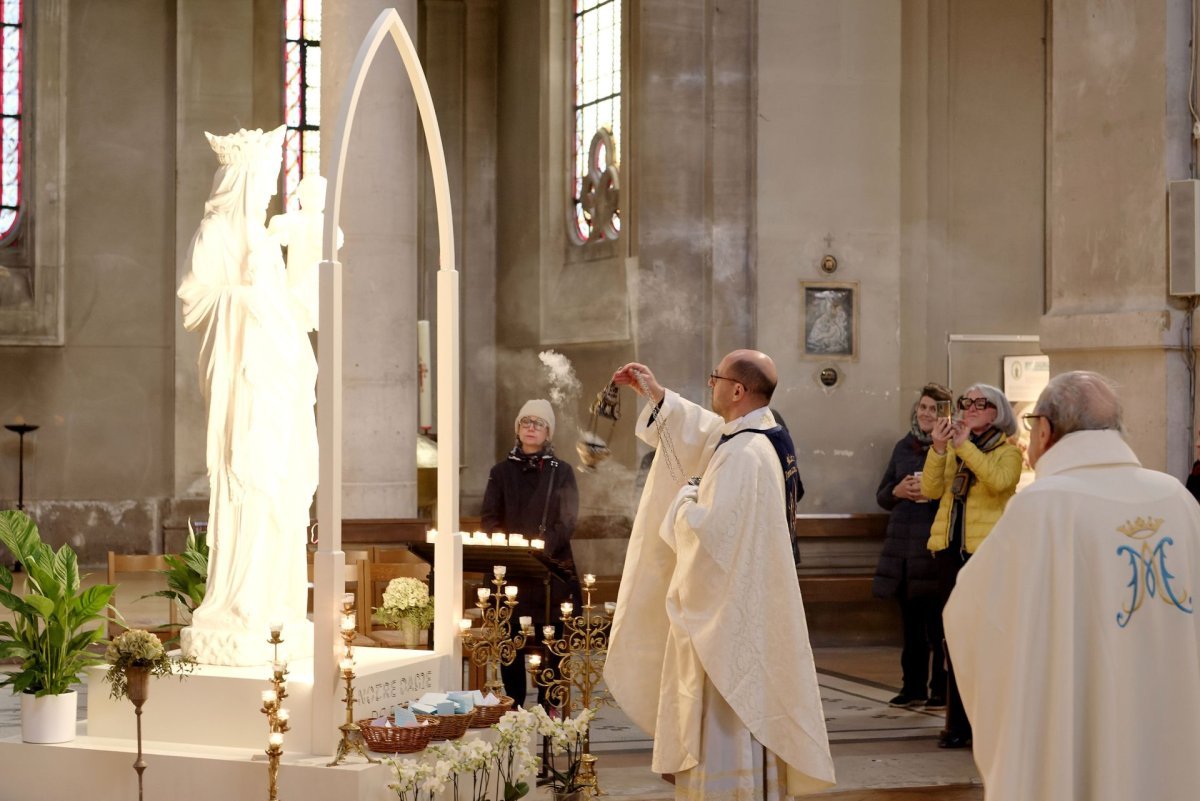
431,535
511,591
499,570
283,715
547,632
347,622
589,579
269,697
275,739
539,544
484,593
499,538
525,621
610,607
276,627
535,660
464,624
567,608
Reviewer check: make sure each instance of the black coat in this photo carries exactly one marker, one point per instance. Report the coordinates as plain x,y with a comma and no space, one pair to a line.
515,501
906,568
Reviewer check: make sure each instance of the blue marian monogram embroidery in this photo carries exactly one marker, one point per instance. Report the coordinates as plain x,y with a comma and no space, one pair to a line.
1149,575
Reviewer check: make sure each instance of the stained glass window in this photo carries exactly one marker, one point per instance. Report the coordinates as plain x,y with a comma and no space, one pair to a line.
11,107
301,94
597,105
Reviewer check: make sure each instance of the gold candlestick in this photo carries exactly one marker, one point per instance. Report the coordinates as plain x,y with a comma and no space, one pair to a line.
581,652
352,736
277,716
493,644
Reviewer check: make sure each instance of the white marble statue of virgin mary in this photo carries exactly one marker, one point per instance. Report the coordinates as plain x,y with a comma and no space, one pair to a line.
258,376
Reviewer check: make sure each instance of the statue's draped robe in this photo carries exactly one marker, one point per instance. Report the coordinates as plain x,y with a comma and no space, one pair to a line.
258,373
1071,696
710,644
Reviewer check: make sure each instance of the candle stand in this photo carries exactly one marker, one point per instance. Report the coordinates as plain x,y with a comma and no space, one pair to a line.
277,716
581,652
352,736
493,644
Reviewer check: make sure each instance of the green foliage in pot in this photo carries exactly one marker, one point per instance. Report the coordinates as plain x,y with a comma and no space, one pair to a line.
55,622
186,573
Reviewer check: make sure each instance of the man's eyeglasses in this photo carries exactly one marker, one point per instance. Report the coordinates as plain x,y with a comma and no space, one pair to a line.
536,423
978,403
1027,420
714,378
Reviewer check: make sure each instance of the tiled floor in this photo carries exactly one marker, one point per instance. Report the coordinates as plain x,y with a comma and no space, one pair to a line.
879,754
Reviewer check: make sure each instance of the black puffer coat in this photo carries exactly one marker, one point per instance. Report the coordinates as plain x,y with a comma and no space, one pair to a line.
906,568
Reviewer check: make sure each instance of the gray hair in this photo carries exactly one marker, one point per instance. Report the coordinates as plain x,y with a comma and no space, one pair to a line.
1004,416
1080,400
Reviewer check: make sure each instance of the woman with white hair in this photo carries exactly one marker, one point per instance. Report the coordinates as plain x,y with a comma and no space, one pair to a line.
973,469
533,492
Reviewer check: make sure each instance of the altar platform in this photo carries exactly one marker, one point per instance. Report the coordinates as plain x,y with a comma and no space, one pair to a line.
204,737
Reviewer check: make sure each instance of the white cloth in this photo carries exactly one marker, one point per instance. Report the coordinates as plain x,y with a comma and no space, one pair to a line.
258,376
1075,646
709,592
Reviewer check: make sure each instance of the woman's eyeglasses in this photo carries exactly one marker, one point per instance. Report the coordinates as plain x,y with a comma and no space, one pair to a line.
978,403
536,423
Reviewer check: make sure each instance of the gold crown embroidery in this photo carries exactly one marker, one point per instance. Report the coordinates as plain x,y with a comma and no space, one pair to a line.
1141,528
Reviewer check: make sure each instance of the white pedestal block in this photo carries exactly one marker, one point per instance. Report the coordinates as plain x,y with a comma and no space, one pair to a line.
101,769
221,706
205,737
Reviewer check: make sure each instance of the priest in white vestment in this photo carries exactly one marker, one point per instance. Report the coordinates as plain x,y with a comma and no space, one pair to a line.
1073,628
709,650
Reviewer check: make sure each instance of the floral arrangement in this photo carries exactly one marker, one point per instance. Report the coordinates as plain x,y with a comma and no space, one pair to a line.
406,599
499,770
137,648
567,736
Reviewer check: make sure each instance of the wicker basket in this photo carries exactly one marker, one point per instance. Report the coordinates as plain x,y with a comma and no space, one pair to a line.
487,715
447,727
395,739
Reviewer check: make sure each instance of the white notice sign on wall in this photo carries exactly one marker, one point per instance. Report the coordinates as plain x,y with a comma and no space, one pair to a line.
1025,377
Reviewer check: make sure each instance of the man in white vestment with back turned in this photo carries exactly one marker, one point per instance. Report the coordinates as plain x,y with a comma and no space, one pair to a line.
1073,628
709,650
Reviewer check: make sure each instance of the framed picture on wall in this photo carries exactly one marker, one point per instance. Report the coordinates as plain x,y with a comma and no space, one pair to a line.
829,320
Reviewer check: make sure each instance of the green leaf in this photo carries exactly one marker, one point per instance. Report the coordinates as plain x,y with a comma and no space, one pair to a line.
41,604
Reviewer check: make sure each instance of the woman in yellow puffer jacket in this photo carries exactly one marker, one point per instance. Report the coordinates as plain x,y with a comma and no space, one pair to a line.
973,470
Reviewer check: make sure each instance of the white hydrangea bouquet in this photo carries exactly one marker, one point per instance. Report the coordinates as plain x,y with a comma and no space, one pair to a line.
474,768
406,600
139,649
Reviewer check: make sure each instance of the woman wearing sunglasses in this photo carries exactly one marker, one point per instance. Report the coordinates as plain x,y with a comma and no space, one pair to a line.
973,469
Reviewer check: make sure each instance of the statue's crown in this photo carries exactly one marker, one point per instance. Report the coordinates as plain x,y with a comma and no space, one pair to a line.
1141,528
245,147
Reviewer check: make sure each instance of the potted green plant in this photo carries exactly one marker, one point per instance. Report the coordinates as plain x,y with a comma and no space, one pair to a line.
55,623
407,607
186,573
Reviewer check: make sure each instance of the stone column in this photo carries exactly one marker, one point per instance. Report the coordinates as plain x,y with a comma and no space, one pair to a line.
1117,79
379,218
459,50
214,62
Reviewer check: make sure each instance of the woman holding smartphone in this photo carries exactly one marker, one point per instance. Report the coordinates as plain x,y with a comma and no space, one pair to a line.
974,469
906,569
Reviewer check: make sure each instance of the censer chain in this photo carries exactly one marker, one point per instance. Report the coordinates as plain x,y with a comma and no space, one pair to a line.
664,438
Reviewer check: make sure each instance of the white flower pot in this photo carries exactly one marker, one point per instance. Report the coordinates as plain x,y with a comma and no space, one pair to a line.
49,719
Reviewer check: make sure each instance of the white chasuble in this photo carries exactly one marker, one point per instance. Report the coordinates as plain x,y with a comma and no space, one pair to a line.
1074,636
709,593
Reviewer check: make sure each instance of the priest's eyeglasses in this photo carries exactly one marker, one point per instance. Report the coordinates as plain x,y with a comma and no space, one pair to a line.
1028,419
965,403
536,423
714,378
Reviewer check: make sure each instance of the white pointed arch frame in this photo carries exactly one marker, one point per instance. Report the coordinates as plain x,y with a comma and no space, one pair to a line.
328,562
